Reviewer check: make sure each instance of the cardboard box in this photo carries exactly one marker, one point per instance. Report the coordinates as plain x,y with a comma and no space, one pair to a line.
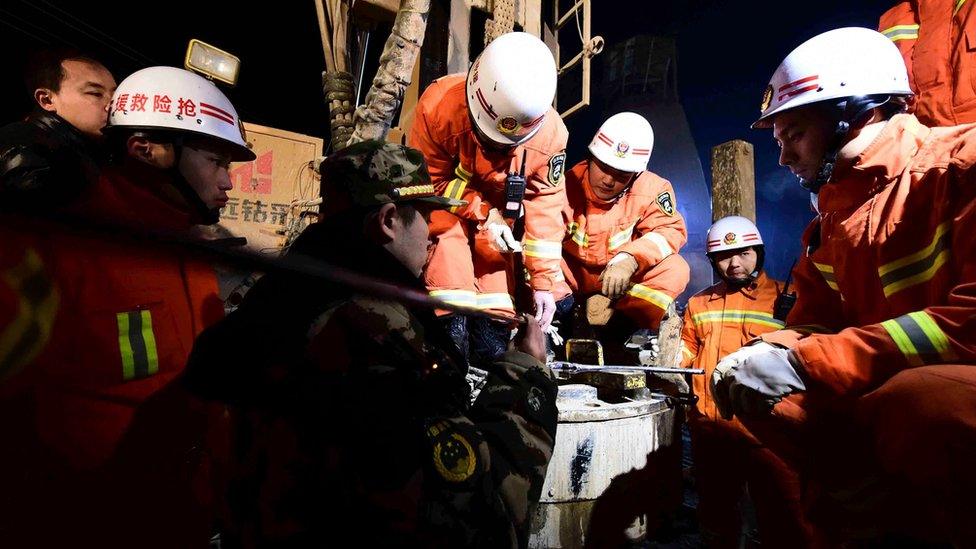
270,193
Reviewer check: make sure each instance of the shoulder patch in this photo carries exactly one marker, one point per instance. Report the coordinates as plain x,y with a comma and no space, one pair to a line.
666,203
454,457
557,169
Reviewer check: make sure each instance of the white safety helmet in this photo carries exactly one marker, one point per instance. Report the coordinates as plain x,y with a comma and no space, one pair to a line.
510,87
624,142
172,99
847,62
731,233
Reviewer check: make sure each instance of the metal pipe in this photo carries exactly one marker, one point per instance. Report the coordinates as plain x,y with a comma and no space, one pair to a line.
574,366
565,17
362,68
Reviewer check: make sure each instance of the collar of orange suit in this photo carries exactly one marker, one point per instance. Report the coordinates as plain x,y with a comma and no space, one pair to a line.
751,290
879,164
593,199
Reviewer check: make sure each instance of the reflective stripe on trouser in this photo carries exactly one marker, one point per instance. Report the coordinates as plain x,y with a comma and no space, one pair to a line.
648,298
464,266
137,345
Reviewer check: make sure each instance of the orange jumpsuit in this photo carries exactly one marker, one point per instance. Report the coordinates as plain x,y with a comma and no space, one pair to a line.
718,321
937,39
464,266
644,222
126,317
885,329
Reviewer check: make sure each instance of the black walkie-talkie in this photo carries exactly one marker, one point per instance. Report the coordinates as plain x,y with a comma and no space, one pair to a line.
785,300
515,193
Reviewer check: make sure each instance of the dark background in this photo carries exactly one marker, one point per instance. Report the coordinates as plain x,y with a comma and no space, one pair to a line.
727,50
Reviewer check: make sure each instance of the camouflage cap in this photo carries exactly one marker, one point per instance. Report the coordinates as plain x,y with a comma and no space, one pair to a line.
372,173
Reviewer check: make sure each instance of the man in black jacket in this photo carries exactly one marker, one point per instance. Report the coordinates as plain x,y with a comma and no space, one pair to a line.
46,159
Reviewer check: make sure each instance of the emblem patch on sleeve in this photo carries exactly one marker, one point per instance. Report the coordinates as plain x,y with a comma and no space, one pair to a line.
557,165
454,457
666,203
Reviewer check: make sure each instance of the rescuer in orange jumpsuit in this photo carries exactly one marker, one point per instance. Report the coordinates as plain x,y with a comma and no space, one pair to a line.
719,320
870,389
936,39
474,132
624,230
125,314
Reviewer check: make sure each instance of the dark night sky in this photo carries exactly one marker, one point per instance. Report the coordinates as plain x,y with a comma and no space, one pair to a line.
727,52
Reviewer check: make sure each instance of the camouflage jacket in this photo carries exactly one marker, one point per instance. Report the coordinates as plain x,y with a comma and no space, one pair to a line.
353,421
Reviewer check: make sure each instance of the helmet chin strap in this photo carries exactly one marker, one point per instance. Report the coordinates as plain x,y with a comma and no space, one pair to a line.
742,282
854,111
207,216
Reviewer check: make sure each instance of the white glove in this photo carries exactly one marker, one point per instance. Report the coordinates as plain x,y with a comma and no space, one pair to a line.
545,308
650,351
553,332
501,233
752,380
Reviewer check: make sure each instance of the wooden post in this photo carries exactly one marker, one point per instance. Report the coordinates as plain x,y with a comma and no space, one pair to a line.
733,180
532,17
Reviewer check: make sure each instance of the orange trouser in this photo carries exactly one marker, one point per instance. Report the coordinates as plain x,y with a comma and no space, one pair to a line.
648,298
899,459
464,267
726,460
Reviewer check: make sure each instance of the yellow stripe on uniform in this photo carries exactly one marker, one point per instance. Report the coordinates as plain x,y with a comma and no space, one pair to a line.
542,249
828,273
137,344
579,236
763,318
906,32
495,301
919,338
455,189
621,238
461,298
918,267
959,4
662,243
656,297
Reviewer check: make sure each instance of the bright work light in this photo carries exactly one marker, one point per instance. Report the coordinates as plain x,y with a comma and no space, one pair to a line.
212,62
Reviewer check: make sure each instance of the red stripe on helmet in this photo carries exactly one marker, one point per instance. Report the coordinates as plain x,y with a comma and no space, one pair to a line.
485,105
217,109
799,91
794,83
218,116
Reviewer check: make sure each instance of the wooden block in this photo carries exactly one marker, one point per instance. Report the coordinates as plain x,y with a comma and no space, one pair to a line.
612,380
269,192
